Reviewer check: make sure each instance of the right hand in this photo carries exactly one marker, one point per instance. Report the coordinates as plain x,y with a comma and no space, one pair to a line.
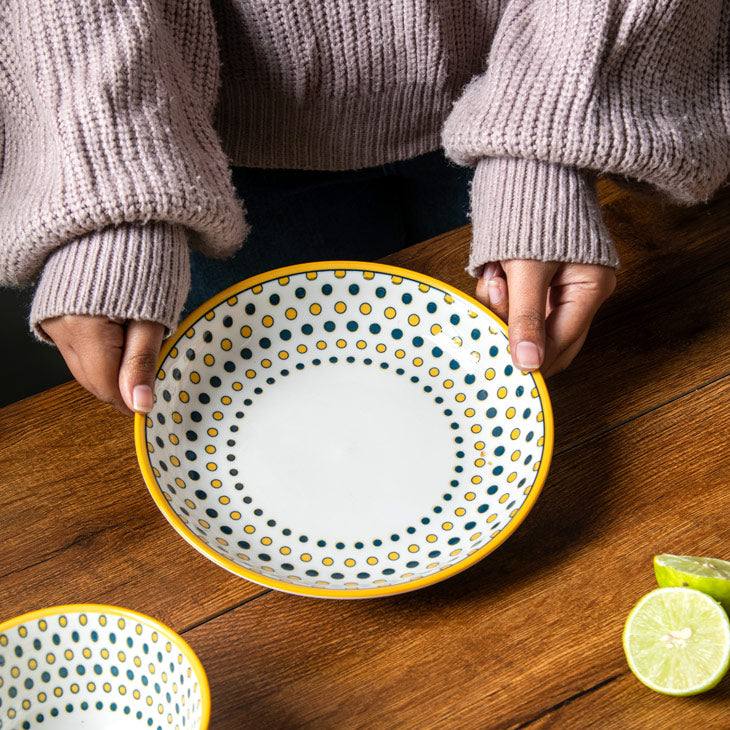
115,362
549,306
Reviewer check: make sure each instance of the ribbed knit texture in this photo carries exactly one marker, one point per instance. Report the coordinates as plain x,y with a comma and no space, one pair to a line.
635,87
116,113
124,272
107,110
341,84
547,212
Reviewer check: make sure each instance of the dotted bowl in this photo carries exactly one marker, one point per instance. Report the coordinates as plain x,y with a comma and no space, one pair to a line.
98,667
344,430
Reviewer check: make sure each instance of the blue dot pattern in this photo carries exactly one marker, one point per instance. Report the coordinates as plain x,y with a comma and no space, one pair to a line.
435,341
94,667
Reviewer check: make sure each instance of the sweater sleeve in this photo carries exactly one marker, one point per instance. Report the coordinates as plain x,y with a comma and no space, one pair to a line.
111,165
635,88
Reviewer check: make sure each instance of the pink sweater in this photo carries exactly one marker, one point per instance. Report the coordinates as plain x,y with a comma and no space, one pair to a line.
118,121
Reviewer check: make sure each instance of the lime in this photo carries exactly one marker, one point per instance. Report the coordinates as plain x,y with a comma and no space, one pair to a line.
709,575
677,641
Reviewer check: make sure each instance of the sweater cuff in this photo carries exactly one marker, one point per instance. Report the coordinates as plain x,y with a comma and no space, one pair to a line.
529,209
131,271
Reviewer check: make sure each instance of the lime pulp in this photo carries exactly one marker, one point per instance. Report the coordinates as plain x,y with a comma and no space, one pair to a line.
677,641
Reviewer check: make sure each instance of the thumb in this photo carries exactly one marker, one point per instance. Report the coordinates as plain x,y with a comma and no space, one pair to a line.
528,283
139,364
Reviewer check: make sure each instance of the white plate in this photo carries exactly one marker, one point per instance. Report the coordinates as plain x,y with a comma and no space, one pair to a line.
345,430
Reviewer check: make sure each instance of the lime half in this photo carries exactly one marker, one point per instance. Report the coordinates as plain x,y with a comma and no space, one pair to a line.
677,641
709,575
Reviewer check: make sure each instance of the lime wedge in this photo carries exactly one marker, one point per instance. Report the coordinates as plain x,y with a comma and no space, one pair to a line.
677,641
709,575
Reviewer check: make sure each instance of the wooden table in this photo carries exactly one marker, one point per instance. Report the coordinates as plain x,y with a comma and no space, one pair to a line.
530,637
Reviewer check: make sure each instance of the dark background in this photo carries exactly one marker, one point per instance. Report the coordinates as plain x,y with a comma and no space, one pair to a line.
28,366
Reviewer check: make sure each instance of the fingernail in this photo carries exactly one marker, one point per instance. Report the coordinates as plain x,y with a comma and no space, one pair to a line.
527,355
142,398
495,291
489,271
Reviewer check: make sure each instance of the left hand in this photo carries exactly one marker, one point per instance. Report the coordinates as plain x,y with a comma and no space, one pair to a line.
549,306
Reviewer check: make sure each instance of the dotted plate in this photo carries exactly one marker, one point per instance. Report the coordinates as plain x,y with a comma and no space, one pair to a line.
344,430
100,667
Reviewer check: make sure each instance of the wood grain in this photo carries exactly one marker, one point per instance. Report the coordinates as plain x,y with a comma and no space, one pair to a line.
530,636
77,523
532,625
624,703
655,238
62,444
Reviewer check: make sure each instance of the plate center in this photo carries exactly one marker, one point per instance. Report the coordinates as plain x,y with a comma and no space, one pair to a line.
345,452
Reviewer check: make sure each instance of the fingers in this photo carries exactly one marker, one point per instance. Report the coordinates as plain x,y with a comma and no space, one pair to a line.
558,364
492,289
577,293
115,365
92,349
517,291
139,365
528,283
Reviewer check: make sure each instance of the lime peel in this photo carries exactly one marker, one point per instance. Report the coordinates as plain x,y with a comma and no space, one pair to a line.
709,575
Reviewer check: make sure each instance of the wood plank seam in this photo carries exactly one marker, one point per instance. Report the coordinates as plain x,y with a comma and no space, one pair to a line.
640,414
563,450
653,243
583,442
564,703
419,658
223,611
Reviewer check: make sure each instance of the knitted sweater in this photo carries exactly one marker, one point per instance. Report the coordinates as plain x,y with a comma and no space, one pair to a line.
118,122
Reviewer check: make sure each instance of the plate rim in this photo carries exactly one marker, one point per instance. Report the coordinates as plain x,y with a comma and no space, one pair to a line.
129,614
337,593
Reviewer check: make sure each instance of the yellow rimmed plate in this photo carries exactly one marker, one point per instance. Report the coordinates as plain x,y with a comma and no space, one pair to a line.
344,430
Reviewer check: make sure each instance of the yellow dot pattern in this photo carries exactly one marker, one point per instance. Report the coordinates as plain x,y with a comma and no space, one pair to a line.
430,338
65,666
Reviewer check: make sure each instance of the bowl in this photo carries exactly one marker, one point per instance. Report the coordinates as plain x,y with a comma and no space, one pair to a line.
98,667
344,430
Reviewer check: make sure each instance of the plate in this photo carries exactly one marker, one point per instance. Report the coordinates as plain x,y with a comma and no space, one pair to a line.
345,430
101,667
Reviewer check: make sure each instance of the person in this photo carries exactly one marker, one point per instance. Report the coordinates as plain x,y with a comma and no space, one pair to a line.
130,131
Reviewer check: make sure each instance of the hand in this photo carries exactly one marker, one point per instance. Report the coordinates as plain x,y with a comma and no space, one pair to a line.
116,363
549,307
